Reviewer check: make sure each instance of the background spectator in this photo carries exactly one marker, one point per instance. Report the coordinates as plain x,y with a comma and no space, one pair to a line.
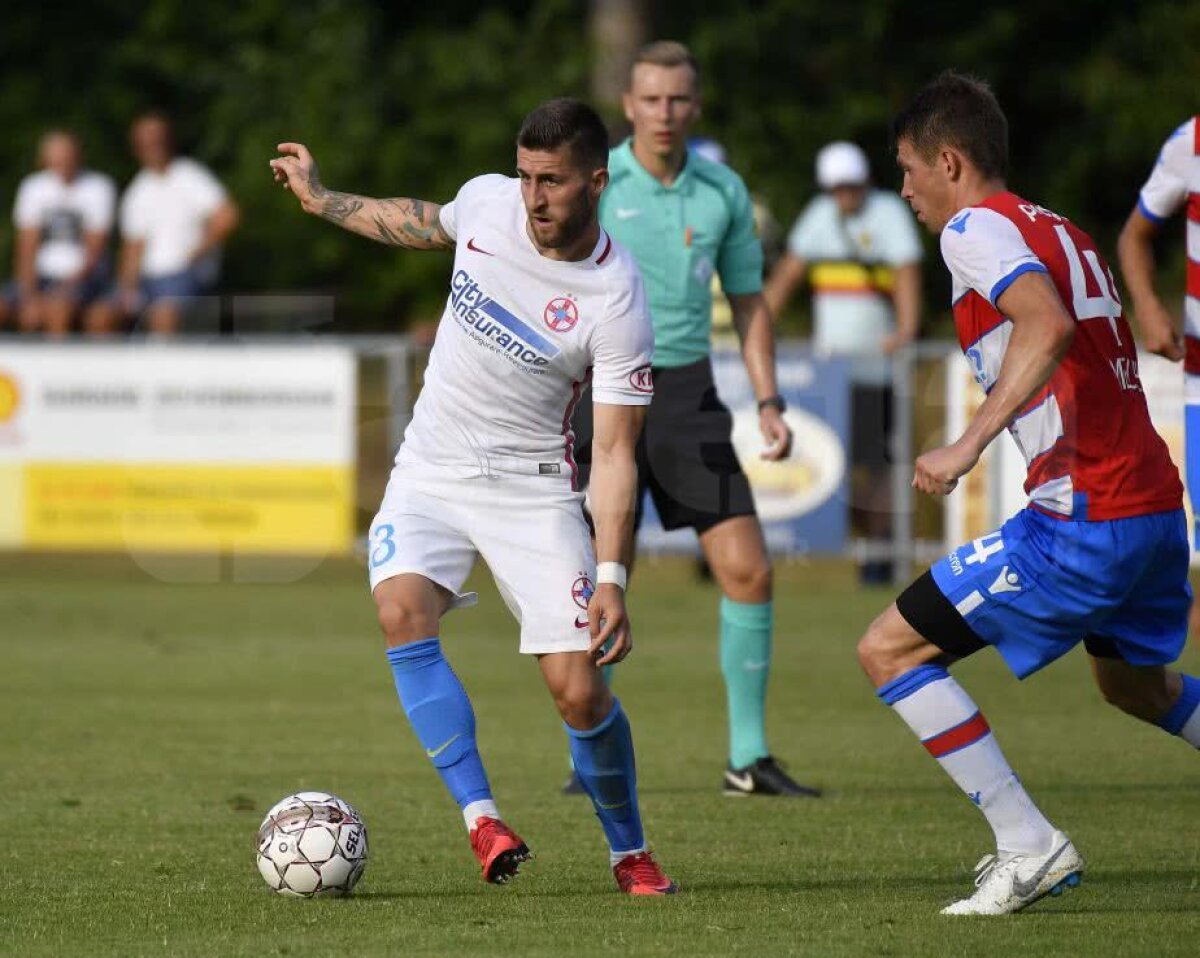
175,216
63,216
860,250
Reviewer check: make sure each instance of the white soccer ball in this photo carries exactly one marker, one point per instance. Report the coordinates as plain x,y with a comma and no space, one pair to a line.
312,843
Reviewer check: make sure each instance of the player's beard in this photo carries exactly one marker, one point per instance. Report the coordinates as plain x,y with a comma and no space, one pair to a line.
578,221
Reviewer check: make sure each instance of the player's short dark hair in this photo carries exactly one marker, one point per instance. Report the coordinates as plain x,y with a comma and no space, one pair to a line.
958,111
567,122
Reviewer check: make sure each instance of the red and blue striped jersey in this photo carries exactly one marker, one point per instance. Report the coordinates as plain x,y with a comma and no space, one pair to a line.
1090,448
1174,183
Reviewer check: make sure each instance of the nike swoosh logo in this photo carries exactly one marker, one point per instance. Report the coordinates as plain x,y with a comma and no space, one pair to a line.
581,622
475,249
609,808
627,214
752,666
744,782
435,752
1026,888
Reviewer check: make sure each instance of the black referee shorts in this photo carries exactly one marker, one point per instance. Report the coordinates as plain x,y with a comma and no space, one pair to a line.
685,456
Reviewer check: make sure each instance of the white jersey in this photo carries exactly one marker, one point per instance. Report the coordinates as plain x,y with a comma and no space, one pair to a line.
520,337
168,211
64,213
1175,177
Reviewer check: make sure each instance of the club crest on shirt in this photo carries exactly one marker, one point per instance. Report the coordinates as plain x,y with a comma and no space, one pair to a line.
582,589
561,314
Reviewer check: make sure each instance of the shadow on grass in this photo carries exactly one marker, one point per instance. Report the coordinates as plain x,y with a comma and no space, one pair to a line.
527,892
853,882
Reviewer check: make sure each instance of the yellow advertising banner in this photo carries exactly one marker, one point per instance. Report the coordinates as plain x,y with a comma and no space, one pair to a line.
196,448
187,508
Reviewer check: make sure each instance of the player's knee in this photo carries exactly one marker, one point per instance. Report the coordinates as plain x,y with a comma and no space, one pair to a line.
749,581
402,623
760,579
582,705
875,653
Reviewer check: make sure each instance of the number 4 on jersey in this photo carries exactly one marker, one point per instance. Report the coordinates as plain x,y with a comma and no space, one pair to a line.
1105,306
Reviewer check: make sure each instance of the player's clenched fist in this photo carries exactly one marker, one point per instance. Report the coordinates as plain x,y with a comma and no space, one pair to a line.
296,170
938,472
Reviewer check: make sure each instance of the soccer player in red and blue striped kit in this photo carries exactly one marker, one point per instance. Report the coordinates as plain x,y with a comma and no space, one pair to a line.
1100,555
1173,185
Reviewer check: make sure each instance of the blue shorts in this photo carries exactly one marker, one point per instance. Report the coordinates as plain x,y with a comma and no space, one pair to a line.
1191,460
93,287
1041,585
173,287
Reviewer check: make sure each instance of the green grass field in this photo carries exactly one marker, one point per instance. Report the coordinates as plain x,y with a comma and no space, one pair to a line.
147,726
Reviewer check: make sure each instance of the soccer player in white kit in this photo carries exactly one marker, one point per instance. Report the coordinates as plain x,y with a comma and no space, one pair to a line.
541,300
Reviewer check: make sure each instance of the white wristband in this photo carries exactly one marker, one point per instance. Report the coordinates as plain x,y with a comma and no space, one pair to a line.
611,572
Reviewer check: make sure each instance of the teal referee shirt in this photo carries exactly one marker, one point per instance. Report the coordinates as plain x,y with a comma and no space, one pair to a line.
680,235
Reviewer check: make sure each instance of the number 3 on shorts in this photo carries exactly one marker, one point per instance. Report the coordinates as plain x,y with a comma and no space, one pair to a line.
385,545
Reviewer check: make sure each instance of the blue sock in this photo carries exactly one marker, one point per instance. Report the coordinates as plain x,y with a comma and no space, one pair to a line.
607,672
1183,718
745,663
440,713
603,758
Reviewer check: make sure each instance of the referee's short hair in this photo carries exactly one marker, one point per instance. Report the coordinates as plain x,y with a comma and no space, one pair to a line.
667,53
571,123
959,111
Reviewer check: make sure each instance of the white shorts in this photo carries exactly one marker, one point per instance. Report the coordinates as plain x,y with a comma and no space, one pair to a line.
529,530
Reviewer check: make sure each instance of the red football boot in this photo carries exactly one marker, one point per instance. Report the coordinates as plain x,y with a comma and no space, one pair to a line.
499,849
639,874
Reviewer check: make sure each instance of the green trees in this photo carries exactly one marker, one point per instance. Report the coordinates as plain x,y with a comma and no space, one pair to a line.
396,99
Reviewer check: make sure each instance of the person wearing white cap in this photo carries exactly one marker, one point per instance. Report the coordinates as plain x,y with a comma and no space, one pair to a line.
859,249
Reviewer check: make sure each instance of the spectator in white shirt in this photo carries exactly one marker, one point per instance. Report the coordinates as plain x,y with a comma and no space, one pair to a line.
63,216
859,249
175,216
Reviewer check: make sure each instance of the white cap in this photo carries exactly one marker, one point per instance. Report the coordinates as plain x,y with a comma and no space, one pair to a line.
842,164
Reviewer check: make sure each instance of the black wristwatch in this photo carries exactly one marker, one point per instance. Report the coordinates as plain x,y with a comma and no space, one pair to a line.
776,402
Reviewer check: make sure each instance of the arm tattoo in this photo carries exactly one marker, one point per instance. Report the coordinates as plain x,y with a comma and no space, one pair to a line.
412,224
386,233
339,206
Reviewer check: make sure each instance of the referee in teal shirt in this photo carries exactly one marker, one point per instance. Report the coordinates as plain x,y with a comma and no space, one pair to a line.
683,218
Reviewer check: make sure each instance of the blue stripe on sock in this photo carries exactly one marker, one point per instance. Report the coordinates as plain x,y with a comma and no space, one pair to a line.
911,681
1179,713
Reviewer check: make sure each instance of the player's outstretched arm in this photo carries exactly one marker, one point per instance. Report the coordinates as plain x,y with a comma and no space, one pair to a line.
612,489
1042,334
398,221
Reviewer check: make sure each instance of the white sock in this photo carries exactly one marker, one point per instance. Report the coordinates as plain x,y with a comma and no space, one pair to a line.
1190,732
955,732
484,808
615,857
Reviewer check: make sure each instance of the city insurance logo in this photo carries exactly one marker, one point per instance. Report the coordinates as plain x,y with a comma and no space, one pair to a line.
10,397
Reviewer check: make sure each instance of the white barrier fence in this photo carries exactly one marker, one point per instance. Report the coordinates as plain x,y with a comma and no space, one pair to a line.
252,446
